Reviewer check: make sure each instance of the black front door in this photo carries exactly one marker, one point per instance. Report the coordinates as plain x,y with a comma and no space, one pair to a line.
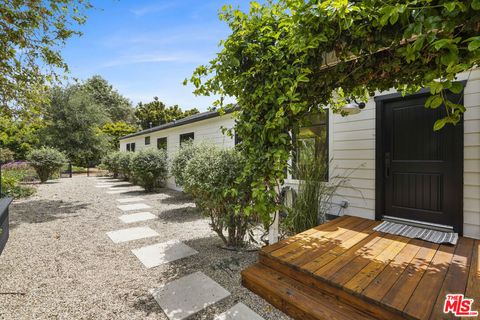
419,171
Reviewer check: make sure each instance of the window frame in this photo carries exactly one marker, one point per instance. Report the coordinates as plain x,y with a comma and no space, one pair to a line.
147,140
166,143
185,137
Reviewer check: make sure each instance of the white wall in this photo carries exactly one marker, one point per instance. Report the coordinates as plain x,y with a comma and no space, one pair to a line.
208,130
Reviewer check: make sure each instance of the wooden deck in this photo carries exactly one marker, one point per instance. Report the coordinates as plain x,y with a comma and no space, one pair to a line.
343,269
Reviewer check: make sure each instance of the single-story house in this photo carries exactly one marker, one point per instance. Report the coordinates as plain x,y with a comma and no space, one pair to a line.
398,167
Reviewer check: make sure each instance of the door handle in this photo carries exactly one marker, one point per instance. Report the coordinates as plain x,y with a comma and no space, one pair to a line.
387,164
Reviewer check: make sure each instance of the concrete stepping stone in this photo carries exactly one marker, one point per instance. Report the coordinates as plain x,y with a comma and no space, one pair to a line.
133,206
132,199
183,297
239,312
161,253
131,234
104,186
137,217
118,191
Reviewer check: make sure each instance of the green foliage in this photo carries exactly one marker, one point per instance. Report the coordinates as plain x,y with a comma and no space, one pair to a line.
11,187
72,125
19,134
117,107
179,162
125,165
150,167
209,176
288,58
314,193
6,155
46,161
116,130
32,36
111,162
157,113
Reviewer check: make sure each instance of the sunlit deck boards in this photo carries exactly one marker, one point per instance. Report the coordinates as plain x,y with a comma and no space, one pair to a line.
382,275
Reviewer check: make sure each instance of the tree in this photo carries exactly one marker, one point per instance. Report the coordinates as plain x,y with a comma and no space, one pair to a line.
116,130
117,107
32,34
73,120
20,134
156,113
286,59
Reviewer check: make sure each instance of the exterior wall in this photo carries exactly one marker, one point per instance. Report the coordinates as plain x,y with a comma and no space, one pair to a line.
208,130
352,152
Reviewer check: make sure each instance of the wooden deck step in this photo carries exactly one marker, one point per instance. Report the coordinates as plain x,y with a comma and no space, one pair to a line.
295,298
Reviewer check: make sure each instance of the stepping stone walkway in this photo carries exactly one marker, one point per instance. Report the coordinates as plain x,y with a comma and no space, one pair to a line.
133,206
161,253
181,298
104,186
126,200
137,217
239,312
130,234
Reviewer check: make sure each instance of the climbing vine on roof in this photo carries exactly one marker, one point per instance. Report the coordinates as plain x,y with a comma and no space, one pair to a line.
287,58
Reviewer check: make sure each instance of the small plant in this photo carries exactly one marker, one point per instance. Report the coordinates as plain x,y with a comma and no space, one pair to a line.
150,168
46,161
125,164
211,176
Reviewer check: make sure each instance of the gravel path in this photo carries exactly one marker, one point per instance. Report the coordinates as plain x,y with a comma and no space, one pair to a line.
59,263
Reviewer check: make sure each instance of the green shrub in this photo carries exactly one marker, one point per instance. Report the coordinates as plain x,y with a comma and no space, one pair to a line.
180,160
210,176
112,162
6,155
125,165
46,161
150,168
11,187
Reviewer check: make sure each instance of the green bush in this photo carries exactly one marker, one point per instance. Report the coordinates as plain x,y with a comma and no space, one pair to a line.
180,160
11,186
150,168
112,162
46,161
6,155
125,165
211,176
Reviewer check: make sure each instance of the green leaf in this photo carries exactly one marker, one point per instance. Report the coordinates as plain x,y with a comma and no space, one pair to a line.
434,102
450,6
476,4
456,87
439,124
474,45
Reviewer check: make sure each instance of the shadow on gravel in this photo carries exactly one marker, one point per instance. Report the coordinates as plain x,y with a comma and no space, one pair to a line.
175,197
40,211
179,215
146,303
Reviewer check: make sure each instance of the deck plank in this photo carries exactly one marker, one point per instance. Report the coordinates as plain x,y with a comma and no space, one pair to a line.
350,271
377,289
399,294
423,298
457,276
316,237
376,266
333,266
473,286
303,235
330,242
354,243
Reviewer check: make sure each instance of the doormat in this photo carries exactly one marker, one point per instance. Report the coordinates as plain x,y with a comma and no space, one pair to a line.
417,232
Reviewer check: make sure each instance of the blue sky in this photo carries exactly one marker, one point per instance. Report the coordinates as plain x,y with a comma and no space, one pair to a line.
146,48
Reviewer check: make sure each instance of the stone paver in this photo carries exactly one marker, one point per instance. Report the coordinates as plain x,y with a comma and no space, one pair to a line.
161,253
239,312
104,186
183,297
132,199
137,217
133,206
131,234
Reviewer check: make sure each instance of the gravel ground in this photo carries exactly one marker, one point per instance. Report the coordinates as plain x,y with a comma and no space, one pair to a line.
59,263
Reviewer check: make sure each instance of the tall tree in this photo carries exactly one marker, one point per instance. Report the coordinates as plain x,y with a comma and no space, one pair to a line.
156,113
117,107
73,120
32,34
116,130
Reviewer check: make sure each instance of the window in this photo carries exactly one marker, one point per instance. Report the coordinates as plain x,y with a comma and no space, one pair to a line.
186,137
311,140
132,147
147,141
162,143
237,139
128,146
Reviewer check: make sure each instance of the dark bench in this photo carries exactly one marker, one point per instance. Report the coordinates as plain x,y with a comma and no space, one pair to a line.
4,232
